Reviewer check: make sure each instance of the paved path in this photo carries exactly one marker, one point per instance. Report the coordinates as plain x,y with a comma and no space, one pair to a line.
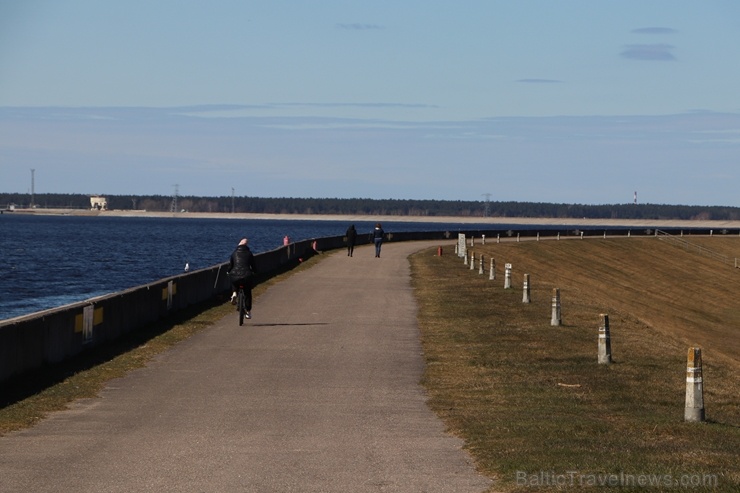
319,392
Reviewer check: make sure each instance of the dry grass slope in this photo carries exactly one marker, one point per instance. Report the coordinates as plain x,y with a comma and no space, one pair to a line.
530,398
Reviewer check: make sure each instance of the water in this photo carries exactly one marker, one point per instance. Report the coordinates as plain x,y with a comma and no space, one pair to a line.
50,261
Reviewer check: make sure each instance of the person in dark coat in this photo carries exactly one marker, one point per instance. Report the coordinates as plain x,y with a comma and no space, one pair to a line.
241,271
378,238
351,239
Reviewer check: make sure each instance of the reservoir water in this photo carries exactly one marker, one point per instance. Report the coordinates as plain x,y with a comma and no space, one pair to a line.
50,261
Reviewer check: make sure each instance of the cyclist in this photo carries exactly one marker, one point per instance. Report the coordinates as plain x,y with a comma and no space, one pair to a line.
241,270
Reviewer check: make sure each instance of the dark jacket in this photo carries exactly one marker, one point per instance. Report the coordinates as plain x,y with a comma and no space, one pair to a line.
378,234
351,235
241,263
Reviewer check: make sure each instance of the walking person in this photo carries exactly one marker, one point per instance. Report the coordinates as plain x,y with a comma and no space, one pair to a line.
351,239
241,272
378,238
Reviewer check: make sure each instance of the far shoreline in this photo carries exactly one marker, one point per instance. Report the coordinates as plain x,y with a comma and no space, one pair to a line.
349,218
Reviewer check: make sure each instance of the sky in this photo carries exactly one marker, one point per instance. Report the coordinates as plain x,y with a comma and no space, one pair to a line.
568,101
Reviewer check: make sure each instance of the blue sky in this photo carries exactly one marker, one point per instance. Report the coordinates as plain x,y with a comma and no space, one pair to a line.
573,101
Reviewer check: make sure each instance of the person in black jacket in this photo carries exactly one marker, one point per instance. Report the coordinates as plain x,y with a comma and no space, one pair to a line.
241,270
351,239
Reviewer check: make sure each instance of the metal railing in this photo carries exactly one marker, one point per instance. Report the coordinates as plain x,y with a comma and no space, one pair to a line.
691,247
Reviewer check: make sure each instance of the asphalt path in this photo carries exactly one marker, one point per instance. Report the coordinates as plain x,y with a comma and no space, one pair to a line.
318,392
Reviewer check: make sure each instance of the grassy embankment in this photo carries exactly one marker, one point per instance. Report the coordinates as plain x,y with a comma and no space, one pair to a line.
535,408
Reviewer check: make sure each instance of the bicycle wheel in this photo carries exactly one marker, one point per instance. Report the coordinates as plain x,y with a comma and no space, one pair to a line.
241,307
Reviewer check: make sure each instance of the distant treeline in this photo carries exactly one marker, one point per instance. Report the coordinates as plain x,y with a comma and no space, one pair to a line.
375,207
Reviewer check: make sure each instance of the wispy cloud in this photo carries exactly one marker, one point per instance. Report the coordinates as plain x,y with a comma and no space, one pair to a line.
652,52
654,30
358,105
726,136
539,81
275,108
357,26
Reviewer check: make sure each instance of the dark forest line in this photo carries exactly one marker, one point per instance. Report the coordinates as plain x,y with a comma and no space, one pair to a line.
389,207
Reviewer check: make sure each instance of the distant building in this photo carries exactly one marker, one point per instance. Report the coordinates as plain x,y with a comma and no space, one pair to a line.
98,203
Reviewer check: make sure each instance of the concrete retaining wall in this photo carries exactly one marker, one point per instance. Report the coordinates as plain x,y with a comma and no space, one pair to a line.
51,336
32,341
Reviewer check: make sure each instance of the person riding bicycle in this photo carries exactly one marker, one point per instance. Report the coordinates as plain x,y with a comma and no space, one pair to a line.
240,272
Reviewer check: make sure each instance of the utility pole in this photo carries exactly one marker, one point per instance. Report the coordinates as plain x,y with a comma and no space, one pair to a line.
488,204
232,200
33,186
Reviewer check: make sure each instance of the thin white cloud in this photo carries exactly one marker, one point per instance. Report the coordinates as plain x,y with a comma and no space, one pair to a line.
349,125
539,81
357,26
659,52
654,30
357,105
727,136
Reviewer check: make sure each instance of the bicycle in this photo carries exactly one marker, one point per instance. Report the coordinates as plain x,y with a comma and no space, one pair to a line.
241,305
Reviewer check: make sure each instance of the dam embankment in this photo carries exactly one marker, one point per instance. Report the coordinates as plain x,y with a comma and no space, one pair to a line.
33,341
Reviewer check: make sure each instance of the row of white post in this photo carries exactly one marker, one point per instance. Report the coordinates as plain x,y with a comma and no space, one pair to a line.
556,318
694,408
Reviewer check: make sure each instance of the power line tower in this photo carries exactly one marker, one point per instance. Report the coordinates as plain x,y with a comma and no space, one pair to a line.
173,206
487,211
33,186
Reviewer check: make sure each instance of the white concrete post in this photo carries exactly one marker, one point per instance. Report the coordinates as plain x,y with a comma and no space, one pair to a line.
498,238
538,236
629,233
483,239
556,318
605,345
472,260
581,234
517,237
480,265
492,273
455,248
694,411
88,322
507,276
472,241
465,262
526,297
170,293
